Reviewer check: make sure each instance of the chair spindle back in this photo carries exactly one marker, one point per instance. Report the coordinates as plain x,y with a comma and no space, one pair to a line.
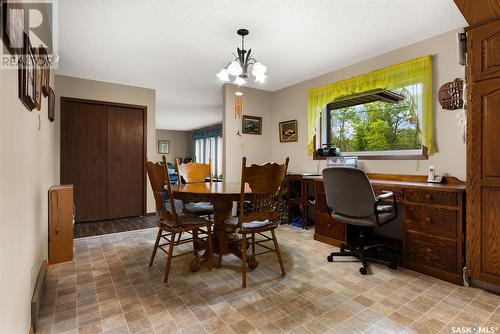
158,177
265,182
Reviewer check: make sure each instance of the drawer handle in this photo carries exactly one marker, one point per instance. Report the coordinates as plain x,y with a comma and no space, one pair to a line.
428,196
428,219
328,225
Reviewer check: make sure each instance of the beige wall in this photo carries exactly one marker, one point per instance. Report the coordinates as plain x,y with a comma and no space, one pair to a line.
291,103
180,144
110,92
256,148
27,170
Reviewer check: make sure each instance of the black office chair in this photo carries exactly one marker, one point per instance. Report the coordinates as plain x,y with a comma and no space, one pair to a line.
350,197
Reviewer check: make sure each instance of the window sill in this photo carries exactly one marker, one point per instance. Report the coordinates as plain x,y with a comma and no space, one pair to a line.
419,156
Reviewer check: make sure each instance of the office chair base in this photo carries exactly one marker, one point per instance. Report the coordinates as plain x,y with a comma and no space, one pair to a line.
362,256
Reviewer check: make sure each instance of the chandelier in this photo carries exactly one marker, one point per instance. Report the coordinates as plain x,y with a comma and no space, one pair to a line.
239,67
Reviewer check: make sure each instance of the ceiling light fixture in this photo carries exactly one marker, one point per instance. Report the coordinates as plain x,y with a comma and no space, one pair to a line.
238,68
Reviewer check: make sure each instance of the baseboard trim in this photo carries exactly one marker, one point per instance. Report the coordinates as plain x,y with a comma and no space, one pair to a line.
486,286
36,300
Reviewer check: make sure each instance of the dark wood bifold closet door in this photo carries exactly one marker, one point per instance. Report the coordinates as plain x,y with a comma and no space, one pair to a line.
83,157
102,155
125,162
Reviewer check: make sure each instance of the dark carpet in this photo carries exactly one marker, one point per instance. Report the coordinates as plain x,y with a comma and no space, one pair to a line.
90,229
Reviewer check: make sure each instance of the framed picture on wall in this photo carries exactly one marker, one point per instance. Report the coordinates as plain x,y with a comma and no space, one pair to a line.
13,21
44,63
252,125
288,131
163,146
38,73
26,76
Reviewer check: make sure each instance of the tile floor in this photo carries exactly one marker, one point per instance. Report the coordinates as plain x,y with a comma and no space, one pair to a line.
109,288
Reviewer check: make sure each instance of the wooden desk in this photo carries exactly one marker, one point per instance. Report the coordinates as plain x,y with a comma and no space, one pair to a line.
433,238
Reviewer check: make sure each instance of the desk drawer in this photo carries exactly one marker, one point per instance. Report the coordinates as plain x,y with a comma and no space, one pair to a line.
380,189
431,197
431,251
326,226
432,221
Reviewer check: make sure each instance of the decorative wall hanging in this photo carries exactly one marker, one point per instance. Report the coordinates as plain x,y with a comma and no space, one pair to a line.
52,105
450,95
238,105
288,131
251,125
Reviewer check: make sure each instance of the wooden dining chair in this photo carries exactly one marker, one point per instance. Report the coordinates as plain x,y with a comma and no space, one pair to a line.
258,212
196,172
173,223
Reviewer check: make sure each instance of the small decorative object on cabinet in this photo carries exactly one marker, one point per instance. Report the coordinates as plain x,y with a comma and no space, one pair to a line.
252,125
60,224
288,131
163,146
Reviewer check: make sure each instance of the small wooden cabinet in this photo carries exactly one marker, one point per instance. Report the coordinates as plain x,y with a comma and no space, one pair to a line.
433,223
60,224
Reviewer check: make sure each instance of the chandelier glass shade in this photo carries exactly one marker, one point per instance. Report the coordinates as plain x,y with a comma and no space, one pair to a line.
239,67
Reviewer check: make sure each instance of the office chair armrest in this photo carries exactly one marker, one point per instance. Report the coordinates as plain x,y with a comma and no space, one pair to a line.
382,198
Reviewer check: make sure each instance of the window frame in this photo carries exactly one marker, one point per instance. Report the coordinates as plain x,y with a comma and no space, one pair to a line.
417,154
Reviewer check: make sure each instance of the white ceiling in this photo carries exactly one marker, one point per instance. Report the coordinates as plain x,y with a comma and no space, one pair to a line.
177,47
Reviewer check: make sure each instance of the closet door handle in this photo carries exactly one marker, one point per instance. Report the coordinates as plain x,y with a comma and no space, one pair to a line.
97,161
117,161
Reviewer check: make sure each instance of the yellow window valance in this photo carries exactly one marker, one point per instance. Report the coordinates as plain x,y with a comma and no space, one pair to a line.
416,71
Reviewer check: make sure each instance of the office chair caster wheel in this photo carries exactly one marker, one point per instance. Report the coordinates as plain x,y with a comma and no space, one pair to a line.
393,265
329,258
363,270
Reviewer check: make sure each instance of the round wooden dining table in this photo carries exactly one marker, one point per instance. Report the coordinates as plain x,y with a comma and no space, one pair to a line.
221,195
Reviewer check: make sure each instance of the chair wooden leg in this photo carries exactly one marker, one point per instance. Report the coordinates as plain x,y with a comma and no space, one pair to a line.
253,244
209,242
155,248
169,256
244,261
195,242
219,261
277,250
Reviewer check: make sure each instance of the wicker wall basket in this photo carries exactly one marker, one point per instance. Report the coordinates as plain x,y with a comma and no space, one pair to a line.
450,95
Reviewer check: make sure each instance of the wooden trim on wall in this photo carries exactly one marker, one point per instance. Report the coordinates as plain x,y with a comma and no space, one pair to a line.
65,99
36,300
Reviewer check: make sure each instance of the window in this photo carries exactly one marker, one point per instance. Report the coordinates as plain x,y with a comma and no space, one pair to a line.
347,114
378,128
210,148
